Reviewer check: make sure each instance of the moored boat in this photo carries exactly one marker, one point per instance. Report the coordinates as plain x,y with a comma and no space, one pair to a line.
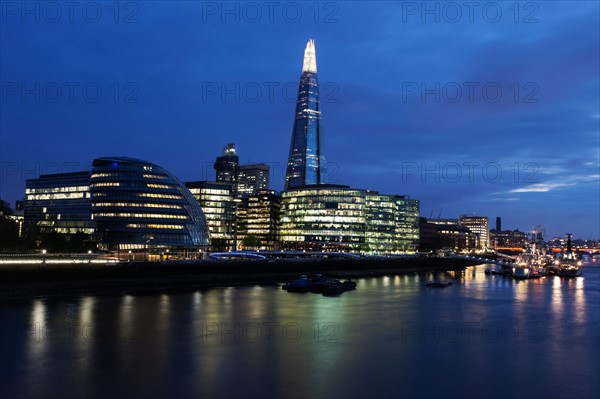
302,284
568,265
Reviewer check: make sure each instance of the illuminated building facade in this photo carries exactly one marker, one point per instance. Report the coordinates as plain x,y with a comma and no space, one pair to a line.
252,178
407,225
58,203
138,205
306,165
227,165
514,239
458,238
323,217
330,217
258,220
436,234
217,202
480,226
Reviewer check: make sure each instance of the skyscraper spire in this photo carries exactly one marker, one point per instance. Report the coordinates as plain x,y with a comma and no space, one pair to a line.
310,57
306,159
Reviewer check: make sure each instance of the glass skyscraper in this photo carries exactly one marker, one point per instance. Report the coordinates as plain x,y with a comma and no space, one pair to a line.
306,164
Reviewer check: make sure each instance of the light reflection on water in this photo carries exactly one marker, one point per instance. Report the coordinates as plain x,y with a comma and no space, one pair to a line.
390,334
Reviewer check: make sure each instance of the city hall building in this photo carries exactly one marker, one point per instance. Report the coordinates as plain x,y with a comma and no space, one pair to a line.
139,206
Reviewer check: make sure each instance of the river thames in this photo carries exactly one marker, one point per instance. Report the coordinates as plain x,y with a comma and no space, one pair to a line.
484,336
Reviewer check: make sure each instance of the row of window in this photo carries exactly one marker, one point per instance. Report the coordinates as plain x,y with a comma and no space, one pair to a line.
56,190
44,197
136,204
139,215
155,226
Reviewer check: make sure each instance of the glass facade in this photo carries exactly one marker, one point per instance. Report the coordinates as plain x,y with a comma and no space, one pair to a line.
216,201
306,163
333,217
139,205
59,203
407,225
323,217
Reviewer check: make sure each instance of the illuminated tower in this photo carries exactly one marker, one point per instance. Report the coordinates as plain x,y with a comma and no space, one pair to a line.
227,165
306,164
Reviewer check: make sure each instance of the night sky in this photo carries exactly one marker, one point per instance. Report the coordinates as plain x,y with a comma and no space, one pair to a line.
491,110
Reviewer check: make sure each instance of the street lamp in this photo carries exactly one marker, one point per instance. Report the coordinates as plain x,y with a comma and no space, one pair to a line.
89,256
43,256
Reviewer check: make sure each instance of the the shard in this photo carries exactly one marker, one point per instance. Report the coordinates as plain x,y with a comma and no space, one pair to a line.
306,164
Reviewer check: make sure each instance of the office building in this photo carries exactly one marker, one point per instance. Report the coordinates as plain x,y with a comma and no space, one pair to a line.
217,202
478,225
227,165
329,217
58,203
258,220
253,178
306,165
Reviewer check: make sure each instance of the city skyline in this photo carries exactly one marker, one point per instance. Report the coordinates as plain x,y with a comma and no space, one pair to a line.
392,120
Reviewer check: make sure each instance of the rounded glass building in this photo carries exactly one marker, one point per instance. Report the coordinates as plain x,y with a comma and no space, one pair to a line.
138,205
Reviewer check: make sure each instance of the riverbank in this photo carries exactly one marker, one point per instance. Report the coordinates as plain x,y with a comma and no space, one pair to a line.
39,281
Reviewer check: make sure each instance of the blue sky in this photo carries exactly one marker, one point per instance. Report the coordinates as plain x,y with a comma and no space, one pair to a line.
492,110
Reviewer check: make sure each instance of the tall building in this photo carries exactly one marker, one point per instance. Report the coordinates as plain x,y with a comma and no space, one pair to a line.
306,164
139,206
480,226
58,203
227,165
217,202
253,178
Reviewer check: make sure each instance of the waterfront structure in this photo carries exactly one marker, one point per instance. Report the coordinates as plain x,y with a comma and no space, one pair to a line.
227,165
58,203
407,225
323,217
436,234
258,220
139,206
330,217
392,224
480,226
252,178
457,238
217,202
508,239
306,164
